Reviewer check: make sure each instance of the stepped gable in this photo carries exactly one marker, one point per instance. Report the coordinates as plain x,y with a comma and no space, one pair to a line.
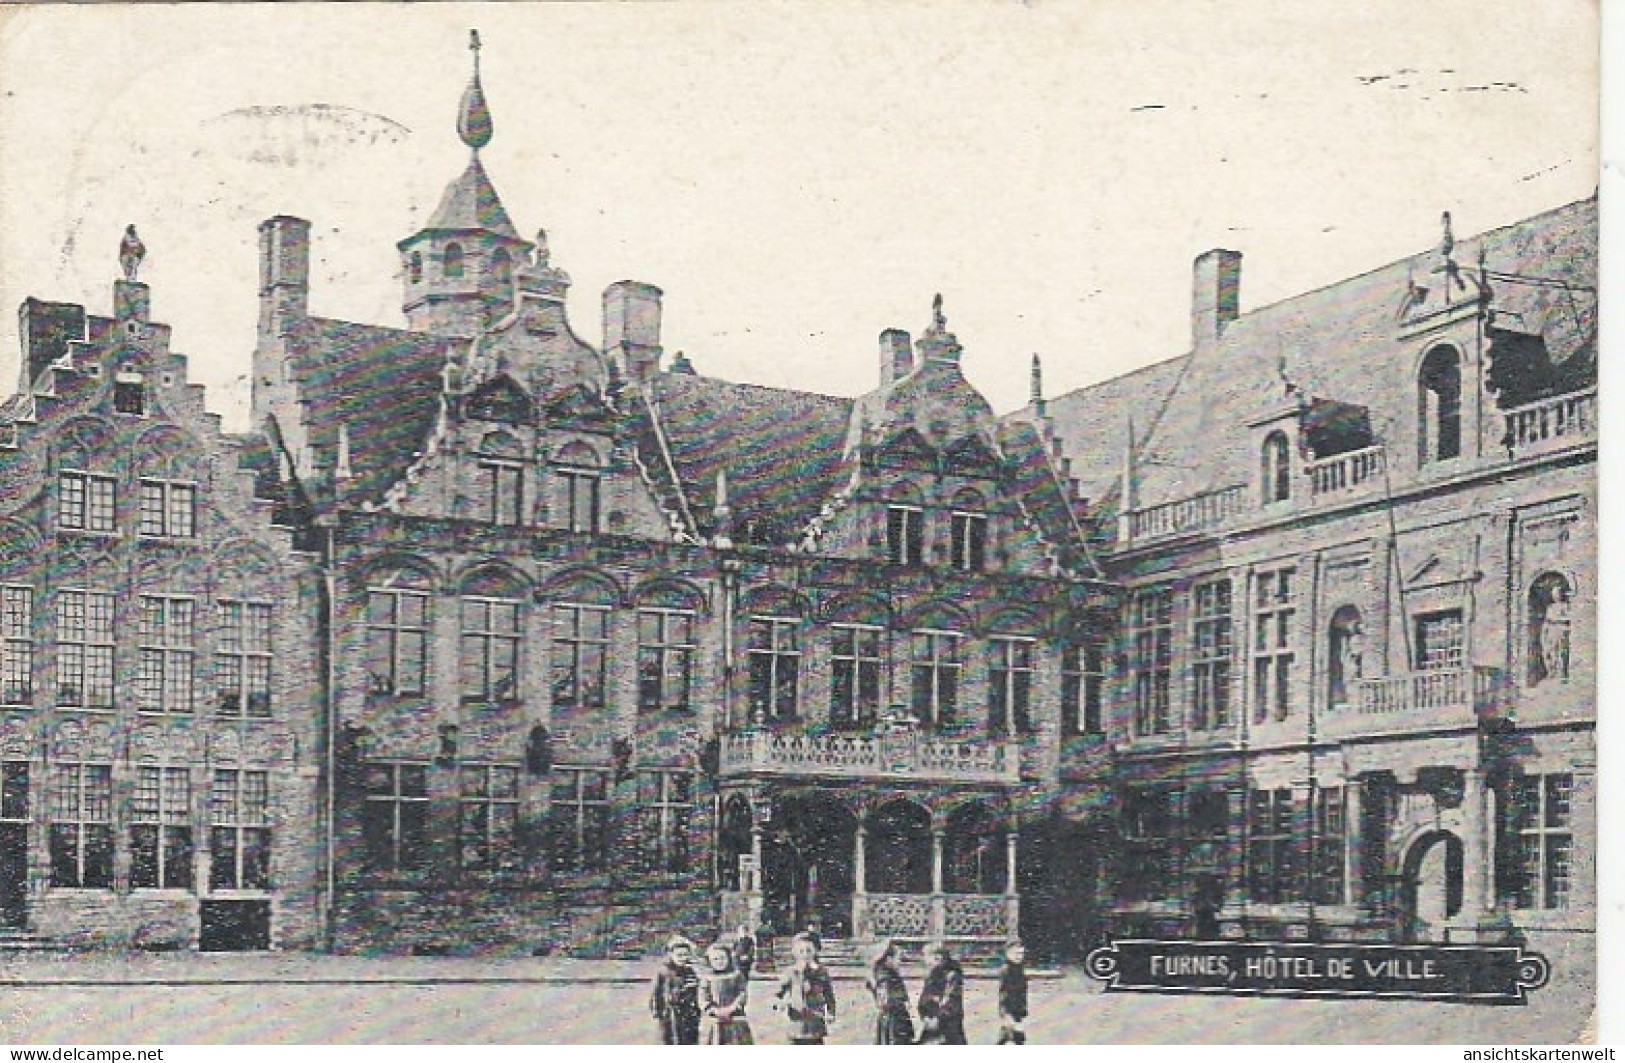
781,451
1090,424
1033,480
382,384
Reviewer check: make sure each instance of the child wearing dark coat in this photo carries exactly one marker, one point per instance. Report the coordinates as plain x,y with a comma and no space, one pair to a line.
1013,995
892,1023
674,999
942,999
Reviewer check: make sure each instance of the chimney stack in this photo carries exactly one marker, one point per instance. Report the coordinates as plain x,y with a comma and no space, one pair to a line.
632,327
896,356
1215,295
284,271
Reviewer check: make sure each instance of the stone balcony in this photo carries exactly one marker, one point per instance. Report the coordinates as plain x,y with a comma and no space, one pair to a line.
1439,700
1550,425
899,754
1348,475
1198,513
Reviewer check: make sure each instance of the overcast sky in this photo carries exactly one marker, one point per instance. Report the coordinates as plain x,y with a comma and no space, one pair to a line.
797,178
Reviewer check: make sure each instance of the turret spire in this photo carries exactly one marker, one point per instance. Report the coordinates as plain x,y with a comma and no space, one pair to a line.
474,117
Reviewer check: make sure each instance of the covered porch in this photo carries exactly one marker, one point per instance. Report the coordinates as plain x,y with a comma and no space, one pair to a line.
907,865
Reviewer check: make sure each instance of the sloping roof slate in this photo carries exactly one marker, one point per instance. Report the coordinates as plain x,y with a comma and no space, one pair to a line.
781,451
382,384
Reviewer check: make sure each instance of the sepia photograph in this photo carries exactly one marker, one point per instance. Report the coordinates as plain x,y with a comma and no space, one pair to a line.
903,523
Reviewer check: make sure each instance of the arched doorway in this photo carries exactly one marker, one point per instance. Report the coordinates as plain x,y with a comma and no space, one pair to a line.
733,841
1431,885
898,856
975,860
807,857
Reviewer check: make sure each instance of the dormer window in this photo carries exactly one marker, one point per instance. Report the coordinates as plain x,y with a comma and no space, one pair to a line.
1276,468
451,262
1438,406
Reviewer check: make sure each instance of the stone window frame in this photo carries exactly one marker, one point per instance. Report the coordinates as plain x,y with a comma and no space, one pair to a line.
668,818
488,817
1083,686
162,844
16,644
402,642
241,653
480,674
582,813
241,813
857,662
87,501
773,670
570,655
174,516
94,649
657,656
1537,862
1151,640
392,852
166,632
1010,675
80,810
937,675
1213,651
1275,641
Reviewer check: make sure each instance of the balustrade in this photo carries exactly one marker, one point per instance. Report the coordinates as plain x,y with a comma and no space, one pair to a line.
896,753
1348,473
1551,424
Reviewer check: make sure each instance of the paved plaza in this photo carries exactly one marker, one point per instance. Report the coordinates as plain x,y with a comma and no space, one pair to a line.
287,999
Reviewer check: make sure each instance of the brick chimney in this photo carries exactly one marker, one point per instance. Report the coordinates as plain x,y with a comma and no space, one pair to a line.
896,356
1215,295
632,327
284,272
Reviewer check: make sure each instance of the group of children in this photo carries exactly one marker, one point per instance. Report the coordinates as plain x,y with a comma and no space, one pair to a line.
708,1007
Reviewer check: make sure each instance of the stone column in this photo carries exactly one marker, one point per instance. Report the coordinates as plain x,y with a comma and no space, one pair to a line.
937,839
860,899
1010,842
1474,846
1353,871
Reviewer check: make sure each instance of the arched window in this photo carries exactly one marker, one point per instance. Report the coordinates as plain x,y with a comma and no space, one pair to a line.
1346,657
1549,604
975,855
1438,406
1276,467
414,267
398,624
451,261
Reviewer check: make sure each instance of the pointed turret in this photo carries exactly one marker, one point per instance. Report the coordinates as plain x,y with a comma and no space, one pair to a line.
459,268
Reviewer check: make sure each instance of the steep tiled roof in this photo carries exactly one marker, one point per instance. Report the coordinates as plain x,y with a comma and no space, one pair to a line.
382,384
471,202
1340,343
781,450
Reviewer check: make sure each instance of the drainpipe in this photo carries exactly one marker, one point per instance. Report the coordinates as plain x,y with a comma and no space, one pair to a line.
330,726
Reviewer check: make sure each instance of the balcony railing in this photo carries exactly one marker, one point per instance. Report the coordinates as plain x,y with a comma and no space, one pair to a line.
1439,699
1551,424
1197,513
899,754
1346,474
935,915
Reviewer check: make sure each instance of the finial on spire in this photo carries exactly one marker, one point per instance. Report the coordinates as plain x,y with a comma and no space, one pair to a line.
540,253
474,118
1447,243
938,320
1037,394
130,253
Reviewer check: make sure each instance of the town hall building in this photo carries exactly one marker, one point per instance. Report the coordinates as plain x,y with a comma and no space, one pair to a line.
496,637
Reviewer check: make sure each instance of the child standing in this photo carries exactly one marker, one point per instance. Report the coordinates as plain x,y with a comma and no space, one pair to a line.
724,991
1013,995
674,1000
